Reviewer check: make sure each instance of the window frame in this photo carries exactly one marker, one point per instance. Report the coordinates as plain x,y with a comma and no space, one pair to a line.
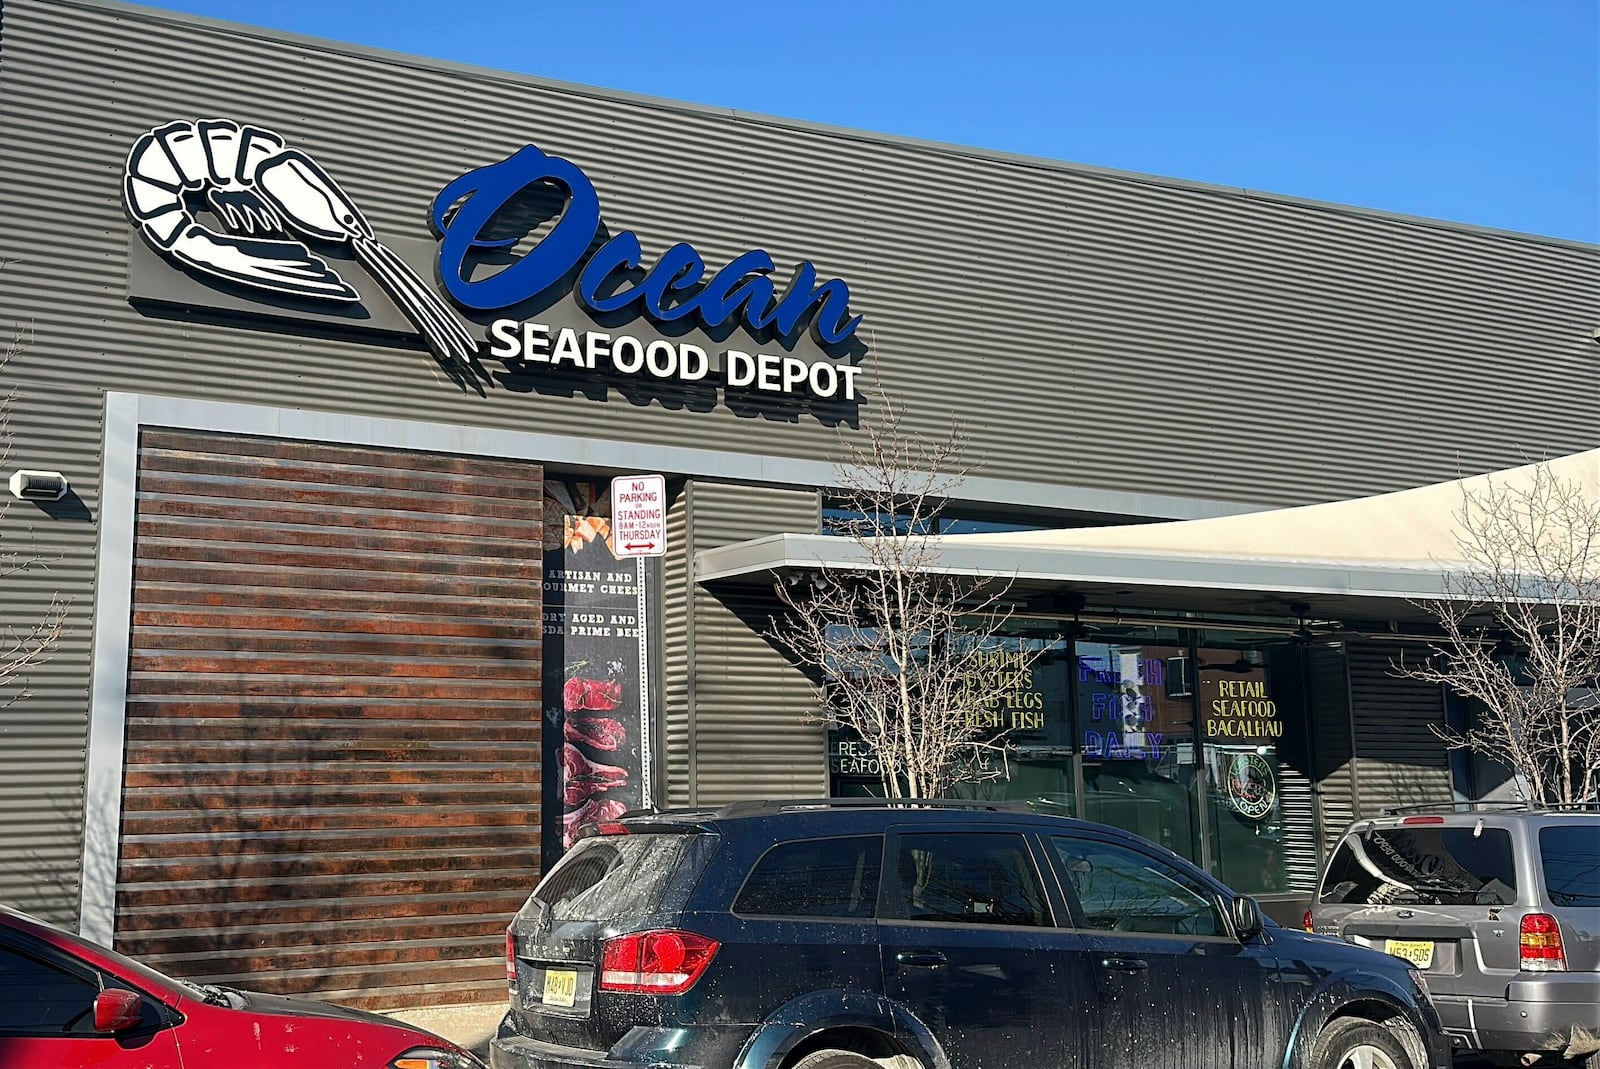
890,892
811,918
1219,900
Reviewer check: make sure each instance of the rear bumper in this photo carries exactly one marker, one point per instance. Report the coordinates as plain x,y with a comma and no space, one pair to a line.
1550,1013
643,1048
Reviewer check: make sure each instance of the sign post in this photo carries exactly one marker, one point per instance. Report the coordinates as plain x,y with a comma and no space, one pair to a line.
639,516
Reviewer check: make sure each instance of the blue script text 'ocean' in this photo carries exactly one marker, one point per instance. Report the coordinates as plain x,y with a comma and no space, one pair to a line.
670,290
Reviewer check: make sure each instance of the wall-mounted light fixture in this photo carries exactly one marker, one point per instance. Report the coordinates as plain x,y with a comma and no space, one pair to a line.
38,485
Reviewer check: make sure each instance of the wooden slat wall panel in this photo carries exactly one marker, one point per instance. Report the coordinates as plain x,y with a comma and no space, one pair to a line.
331,783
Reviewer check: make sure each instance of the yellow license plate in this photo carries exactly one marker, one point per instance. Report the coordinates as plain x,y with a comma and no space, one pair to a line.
1418,952
560,987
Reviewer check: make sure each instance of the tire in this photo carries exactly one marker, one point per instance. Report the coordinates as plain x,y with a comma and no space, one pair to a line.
834,1059
1350,1043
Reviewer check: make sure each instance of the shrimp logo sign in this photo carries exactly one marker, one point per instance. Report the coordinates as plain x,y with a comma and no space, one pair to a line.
270,197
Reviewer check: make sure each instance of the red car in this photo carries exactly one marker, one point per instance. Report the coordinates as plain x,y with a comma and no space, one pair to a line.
66,1003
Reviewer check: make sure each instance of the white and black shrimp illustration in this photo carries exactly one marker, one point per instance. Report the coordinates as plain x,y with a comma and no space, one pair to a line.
265,191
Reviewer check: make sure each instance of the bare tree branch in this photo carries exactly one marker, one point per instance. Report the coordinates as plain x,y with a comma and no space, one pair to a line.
1520,628
909,657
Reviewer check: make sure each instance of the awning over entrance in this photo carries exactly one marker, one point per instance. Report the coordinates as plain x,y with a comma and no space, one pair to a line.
1364,559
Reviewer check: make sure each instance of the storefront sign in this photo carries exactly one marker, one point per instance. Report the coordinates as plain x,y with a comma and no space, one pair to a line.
1017,704
1119,685
850,757
1252,787
639,516
1239,707
671,289
596,684
270,200
623,354
234,204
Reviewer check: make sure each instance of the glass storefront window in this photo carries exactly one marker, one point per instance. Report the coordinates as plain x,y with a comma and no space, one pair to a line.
1038,768
1196,740
1136,728
1258,796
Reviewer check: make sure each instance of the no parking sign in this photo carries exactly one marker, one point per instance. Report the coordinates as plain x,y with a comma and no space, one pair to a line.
639,515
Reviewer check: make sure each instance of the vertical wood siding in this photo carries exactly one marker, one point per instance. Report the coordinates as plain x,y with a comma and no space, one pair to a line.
333,733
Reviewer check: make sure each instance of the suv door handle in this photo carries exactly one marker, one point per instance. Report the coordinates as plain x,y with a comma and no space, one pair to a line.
1124,964
928,959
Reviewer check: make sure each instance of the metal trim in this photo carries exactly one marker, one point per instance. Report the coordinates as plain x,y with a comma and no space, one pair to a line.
777,552
102,788
610,455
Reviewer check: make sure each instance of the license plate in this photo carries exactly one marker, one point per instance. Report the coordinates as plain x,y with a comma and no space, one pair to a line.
560,987
1418,952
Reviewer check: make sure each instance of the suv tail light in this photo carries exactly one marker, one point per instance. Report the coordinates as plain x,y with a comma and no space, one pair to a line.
1541,944
511,959
655,963
1308,923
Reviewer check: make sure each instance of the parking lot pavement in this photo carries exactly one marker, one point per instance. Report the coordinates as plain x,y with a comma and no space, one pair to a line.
467,1026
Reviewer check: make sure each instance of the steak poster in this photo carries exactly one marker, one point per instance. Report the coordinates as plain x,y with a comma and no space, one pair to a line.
597,673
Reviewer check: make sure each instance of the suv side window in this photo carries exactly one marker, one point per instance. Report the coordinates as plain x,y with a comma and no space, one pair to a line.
967,878
39,1000
815,878
1120,889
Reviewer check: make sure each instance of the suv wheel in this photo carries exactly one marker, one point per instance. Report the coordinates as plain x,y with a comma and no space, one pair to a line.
1350,1043
834,1059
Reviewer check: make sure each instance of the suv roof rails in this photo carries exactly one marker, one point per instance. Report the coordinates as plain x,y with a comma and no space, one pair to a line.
756,807
1484,806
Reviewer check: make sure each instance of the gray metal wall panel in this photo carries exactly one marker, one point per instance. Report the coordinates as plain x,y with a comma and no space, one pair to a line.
1331,741
1095,329
677,628
752,734
42,737
1399,760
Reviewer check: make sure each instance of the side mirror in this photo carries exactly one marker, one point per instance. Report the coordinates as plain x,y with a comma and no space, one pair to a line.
116,1010
1247,921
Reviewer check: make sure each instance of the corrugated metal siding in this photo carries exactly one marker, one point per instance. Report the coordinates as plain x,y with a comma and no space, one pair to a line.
677,649
1270,351
752,732
42,737
1399,760
1331,740
331,778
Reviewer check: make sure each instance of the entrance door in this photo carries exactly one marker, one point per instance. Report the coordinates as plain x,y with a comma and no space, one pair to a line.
1171,978
971,946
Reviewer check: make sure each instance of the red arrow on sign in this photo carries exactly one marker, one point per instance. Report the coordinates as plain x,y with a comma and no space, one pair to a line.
639,545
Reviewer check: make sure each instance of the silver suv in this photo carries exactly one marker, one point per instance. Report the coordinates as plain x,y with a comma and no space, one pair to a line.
1498,905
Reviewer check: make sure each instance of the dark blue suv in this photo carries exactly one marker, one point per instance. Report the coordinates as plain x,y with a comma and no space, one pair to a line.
934,935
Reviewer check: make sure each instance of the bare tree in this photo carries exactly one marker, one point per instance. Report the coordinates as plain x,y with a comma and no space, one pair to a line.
909,657
1520,625
24,648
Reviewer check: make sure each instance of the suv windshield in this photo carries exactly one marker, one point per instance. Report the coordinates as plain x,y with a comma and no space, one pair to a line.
1571,858
1427,865
616,876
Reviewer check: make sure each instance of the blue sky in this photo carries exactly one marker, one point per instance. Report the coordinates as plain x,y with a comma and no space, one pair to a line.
1480,111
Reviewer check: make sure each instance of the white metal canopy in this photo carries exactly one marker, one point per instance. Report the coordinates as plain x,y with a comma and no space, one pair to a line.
1369,557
